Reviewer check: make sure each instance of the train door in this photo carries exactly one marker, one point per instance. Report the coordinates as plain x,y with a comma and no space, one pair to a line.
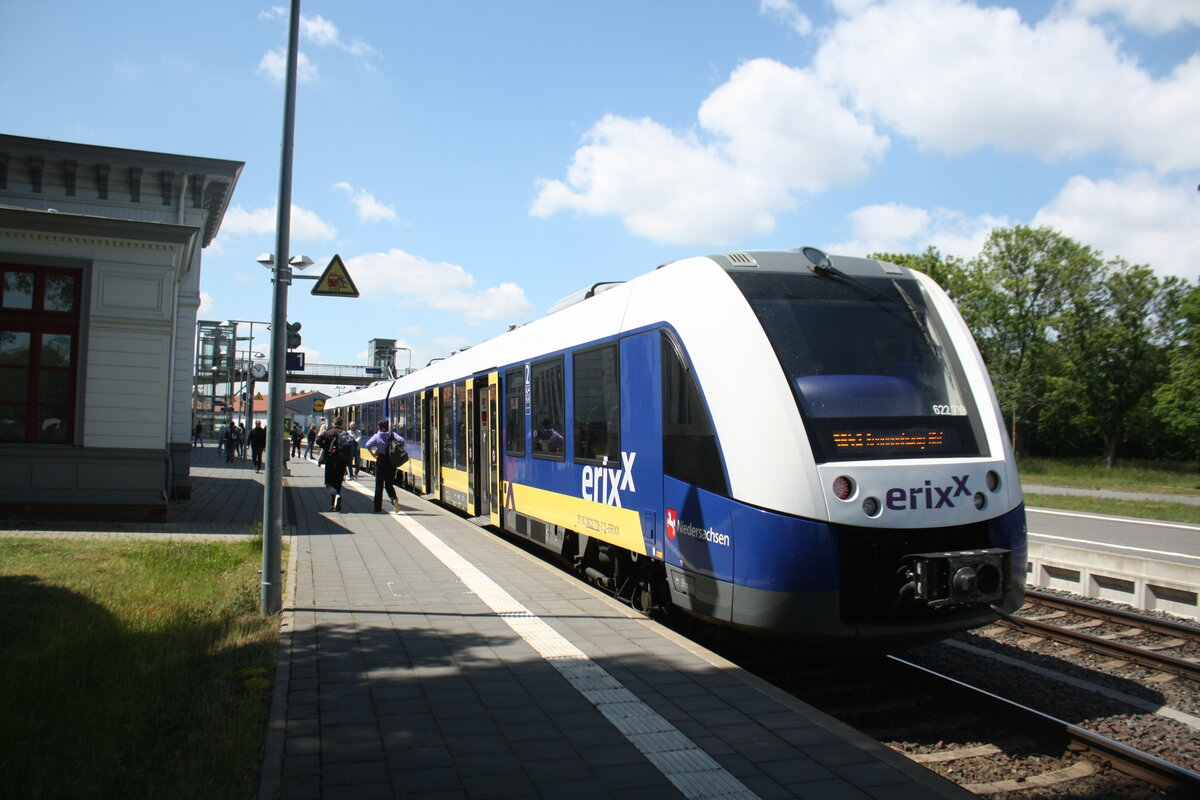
433,443
471,431
485,472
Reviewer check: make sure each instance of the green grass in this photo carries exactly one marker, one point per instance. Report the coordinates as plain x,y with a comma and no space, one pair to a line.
1161,478
1167,512
1158,477
132,669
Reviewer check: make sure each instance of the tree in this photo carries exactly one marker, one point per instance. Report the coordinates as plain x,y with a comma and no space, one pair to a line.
1115,336
1011,296
1177,402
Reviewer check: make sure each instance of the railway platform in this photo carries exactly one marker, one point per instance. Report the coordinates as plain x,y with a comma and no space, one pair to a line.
423,656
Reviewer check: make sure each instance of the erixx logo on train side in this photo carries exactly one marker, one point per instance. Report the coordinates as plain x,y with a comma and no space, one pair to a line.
604,484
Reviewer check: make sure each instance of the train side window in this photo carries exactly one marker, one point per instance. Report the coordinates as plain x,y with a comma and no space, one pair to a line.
446,426
460,425
407,415
689,447
549,404
514,412
597,405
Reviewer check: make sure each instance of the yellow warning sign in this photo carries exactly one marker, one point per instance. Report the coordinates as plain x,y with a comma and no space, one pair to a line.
335,280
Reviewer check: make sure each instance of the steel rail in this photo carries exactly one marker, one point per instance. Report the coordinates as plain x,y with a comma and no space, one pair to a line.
1120,757
1164,626
1155,659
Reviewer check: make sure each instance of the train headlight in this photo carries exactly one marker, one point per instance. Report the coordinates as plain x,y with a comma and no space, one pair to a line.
871,507
843,487
980,500
993,480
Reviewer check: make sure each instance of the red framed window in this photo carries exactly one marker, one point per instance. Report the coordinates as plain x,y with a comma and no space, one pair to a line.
39,352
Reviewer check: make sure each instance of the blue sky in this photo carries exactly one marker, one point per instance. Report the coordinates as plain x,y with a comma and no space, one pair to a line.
474,162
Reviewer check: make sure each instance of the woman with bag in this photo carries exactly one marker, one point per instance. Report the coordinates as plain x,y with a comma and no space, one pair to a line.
385,465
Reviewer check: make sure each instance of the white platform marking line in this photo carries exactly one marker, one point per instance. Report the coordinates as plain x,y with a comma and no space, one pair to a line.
690,769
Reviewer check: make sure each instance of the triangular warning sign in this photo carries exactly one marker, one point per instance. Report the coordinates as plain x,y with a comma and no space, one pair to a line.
335,280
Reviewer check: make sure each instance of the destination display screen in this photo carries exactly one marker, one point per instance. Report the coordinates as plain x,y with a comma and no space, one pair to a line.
879,442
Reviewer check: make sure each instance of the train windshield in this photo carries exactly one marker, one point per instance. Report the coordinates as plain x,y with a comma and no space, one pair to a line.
869,364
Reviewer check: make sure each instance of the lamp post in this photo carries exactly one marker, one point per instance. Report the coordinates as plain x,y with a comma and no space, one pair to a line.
409,349
272,592
272,572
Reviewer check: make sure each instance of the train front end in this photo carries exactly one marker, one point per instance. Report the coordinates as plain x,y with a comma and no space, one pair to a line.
887,507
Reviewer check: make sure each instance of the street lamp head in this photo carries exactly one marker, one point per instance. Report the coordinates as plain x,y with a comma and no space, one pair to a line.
267,260
301,262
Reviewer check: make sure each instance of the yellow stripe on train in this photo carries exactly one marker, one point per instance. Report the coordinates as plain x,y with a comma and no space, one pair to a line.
619,526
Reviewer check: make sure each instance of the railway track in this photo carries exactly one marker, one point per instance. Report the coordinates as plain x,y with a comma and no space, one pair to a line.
990,745
1085,756
1168,647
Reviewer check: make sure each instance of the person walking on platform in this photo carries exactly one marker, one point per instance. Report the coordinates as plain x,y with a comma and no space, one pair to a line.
356,461
258,441
312,437
335,468
297,438
198,435
385,471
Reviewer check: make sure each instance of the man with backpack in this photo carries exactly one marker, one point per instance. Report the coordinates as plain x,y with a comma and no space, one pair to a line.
385,468
337,449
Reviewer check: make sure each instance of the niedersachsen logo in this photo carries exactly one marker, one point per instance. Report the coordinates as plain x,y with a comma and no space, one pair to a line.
703,534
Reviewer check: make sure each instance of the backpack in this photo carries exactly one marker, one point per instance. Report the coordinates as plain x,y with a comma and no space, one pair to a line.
396,452
341,449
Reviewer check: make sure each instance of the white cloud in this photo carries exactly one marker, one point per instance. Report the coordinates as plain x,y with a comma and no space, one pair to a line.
1139,217
786,11
898,228
775,120
956,77
274,66
417,281
756,144
666,187
319,32
305,225
368,207
324,33
207,306
1152,16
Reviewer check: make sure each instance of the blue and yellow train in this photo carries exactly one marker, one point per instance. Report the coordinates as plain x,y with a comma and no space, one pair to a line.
787,442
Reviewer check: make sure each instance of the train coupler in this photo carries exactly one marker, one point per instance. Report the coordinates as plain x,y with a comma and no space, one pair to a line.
962,577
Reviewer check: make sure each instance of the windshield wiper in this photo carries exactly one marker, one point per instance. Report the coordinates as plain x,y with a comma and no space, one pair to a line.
916,315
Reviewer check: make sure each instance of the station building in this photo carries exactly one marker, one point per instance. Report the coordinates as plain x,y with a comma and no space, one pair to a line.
100,256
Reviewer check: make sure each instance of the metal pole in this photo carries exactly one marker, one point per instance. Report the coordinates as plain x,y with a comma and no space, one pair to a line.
249,409
272,571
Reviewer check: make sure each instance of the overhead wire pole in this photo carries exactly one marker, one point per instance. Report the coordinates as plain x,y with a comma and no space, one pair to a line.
272,572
